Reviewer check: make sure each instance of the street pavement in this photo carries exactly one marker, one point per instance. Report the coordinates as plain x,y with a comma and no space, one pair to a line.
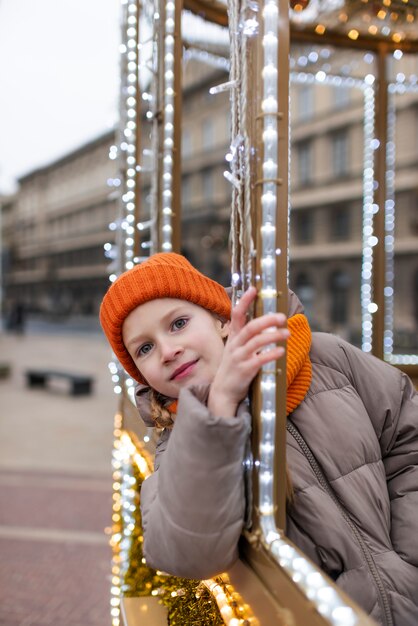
55,483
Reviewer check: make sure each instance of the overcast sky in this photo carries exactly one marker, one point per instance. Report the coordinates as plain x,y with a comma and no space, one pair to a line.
58,79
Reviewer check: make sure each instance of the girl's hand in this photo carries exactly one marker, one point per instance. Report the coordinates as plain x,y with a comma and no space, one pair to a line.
244,356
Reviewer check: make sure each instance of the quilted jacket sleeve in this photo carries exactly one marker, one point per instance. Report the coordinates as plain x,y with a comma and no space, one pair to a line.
392,404
193,505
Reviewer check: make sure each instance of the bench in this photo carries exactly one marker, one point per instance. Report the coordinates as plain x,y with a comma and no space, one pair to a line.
79,384
5,370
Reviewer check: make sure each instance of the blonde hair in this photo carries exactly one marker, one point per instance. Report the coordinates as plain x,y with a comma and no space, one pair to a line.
161,415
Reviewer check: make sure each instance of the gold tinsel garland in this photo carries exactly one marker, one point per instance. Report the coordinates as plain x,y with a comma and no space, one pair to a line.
188,602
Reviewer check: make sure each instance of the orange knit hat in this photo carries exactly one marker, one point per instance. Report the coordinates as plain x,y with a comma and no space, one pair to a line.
163,275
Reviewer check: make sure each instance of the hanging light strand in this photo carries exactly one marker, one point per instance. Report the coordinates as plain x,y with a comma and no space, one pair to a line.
168,133
233,156
389,230
128,149
368,307
268,292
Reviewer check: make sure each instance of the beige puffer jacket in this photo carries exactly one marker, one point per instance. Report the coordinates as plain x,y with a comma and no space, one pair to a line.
355,514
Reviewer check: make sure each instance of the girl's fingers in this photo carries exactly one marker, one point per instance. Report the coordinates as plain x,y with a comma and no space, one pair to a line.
239,312
260,325
264,339
258,360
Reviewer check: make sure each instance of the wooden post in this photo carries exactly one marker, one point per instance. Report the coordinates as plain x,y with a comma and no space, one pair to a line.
379,265
255,130
282,258
178,62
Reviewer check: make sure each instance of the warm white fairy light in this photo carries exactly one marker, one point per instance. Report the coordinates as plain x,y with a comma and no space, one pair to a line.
402,85
313,583
116,519
326,599
406,86
368,307
389,230
129,456
268,292
117,376
221,592
126,456
168,130
326,79
208,58
409,85
121,260
122,253
128,115
404,359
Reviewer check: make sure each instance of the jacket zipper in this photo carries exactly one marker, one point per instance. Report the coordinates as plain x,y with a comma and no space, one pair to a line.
363,546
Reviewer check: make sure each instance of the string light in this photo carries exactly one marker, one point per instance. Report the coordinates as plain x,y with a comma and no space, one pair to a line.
326,599
311,581
130,574
168,130
127,132
396,23
268,292
116,519
388,291
401,85
369,210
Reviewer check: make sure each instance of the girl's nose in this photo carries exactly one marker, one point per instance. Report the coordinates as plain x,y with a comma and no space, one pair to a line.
169,352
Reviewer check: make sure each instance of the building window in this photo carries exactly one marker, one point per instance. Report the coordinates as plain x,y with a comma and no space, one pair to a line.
303,226
340,223
186,190
207,185
304,160
305,101
340,152
341,97
415,292
208,134
413,203
186,143
339,287
306,292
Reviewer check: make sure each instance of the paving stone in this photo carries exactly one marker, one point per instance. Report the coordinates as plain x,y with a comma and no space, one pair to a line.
55,487
43,583
65,507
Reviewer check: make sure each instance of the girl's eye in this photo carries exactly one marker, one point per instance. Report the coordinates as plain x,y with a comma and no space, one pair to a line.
180,323
144,349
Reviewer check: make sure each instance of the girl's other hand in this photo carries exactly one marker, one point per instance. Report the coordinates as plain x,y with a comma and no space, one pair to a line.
245,353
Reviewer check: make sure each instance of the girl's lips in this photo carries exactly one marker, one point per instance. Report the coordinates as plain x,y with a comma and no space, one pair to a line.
185,371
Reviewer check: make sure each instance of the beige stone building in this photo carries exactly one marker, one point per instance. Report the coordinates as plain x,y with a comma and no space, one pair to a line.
59,222
57,229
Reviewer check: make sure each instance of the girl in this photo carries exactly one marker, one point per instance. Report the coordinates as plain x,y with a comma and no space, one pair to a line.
352,447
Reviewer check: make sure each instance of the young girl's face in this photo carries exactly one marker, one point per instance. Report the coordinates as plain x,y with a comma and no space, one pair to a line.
174,343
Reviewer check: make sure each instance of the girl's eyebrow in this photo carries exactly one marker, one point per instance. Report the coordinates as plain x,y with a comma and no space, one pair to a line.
165,317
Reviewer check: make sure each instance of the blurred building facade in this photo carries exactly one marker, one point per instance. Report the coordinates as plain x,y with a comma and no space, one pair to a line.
327,169
55,228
